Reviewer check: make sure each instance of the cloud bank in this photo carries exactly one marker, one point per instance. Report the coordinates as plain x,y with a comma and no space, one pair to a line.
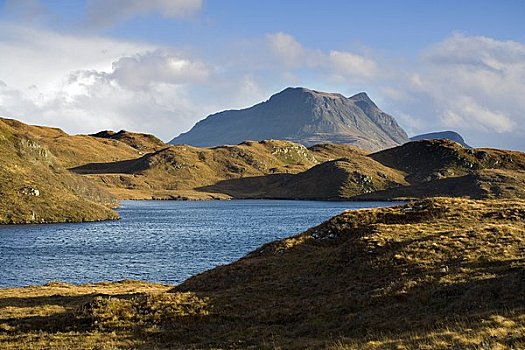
471,84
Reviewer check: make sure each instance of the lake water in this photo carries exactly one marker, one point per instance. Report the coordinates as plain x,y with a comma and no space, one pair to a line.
161,241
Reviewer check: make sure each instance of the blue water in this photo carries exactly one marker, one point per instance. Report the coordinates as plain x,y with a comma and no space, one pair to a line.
160,241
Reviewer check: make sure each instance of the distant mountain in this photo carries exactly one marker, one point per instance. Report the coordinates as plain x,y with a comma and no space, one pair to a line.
304,116
450,135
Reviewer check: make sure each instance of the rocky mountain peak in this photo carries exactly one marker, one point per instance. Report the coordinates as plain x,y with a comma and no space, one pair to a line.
304,116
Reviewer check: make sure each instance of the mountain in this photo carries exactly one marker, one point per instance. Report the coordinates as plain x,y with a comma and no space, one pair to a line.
450,135
303,116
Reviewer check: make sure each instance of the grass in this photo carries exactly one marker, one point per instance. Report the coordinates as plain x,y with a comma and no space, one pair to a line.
140,166
244,170
36,188
439,273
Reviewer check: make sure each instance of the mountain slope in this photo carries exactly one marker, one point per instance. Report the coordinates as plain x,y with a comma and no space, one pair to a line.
36,188
303,116
449,135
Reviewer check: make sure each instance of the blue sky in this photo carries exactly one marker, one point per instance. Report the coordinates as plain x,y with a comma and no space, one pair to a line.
159,66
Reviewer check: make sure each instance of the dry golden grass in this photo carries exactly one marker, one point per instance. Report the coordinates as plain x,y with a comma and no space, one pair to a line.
248,170
140,166
438,273
36,188
47,317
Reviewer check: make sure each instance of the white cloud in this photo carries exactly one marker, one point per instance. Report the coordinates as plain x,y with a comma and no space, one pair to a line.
465,112
91,83
348,64
291,53
472,84
340,65
104,13
160,66
38,57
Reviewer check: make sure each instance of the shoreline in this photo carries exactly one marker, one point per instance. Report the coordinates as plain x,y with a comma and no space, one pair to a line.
437,273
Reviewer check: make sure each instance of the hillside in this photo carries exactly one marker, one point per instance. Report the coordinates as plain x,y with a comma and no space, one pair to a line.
35,188
434,274
337,179
141,142
445,168
139,166
184,171
74,150
303,116
282,169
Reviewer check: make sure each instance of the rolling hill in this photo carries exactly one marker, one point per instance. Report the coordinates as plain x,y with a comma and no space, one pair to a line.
127,165
36,188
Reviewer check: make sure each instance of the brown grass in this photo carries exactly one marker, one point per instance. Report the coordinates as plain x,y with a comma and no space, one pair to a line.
438,273
36,188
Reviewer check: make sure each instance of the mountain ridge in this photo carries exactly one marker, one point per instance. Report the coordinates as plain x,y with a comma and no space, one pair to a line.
303,116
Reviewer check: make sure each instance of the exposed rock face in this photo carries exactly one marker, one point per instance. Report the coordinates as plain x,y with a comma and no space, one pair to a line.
303,116
449,135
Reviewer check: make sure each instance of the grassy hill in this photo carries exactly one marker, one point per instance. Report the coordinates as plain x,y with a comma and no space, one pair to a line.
140,166
282,169
445,168
434,274
197,172
36,188
331,180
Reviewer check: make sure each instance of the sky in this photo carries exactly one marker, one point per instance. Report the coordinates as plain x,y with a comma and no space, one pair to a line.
159,66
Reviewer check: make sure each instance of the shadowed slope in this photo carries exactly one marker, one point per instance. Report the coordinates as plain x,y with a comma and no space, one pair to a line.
392,275
332,180
184,171
445,168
